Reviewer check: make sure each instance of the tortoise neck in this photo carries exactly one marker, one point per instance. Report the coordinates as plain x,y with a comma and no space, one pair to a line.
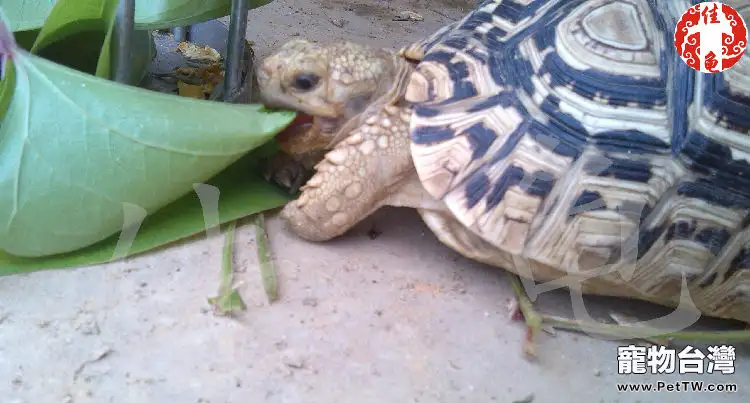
403,69
391,93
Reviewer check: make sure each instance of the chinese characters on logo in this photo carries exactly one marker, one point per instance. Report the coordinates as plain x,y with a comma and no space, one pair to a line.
662,360
710,37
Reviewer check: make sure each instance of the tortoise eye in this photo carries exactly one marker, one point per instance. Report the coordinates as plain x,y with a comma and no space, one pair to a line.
305,81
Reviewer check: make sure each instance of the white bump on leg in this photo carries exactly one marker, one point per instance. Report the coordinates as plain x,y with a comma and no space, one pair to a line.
333,204
302,200
315,181
383,142
353,190
337,156
367,147
355,139
339,219
391,109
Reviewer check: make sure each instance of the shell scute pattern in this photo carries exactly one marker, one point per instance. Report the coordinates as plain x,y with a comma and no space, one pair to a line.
571,134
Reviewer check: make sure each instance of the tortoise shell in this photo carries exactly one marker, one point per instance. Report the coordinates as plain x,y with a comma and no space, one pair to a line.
572,134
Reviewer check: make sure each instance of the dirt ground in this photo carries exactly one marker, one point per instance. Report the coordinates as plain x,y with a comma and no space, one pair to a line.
395,317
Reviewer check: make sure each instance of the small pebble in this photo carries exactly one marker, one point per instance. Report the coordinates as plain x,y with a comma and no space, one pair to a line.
408,16
292,360
373,233
527,399
339,22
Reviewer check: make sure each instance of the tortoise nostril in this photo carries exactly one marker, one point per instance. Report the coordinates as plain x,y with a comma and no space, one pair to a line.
262,75
264,72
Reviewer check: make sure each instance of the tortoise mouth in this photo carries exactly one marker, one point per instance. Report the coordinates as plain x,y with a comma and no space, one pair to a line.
299,127
306,134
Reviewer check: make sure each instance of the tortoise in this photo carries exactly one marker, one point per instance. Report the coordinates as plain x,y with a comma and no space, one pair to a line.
564,141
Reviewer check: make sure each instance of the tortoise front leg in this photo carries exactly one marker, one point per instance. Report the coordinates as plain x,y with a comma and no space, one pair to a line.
355,178
291,171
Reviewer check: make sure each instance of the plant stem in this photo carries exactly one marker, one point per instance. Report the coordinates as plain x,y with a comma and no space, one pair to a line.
226,259
628,331
532,318
267,270
228,300
535,320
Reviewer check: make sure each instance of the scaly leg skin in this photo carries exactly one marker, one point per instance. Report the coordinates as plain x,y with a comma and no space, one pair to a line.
357,177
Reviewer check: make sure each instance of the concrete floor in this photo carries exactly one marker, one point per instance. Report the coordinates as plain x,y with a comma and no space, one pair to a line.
398,318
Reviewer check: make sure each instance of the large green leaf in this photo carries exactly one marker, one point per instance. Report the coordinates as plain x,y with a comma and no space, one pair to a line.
76,18
157,14
75,147
26,14
26,39
6,91
241,194
78,34
149,14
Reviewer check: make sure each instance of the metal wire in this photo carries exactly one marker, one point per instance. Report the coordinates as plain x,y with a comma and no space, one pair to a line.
235,49
181,34
124,26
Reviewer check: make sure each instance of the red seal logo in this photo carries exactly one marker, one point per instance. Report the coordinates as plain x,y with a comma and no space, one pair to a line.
710,37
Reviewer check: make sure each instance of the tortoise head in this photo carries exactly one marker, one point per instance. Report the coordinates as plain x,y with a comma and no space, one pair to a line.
334,86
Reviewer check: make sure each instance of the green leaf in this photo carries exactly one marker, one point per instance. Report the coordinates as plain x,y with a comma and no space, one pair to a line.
26,39
6,91
76,147
142,50
159,14
149,14
76,17
74,34
240,195
143,53
87,27
26,14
